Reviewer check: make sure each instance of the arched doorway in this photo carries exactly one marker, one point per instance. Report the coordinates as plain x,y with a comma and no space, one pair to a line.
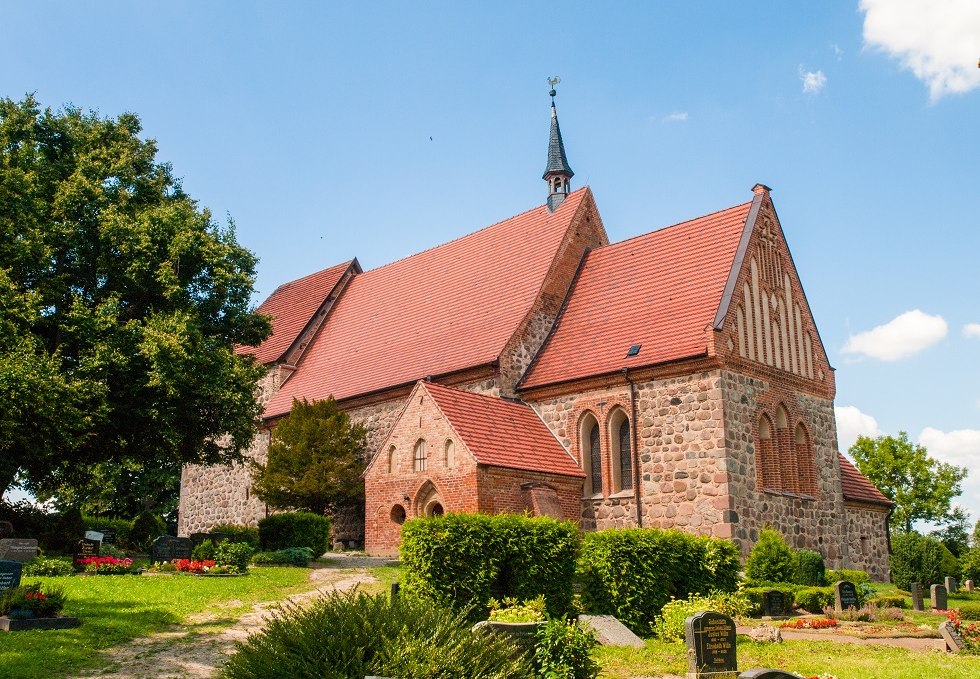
428,501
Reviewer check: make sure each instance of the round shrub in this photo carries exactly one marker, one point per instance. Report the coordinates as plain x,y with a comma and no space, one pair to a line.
815,599
295,529
918,558
235,554
203,552
42,567
147,527
771,559
564,649
809,568
350,636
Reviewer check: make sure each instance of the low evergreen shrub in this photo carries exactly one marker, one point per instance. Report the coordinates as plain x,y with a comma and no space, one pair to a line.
291,556
563,650
754,595
814,599
236,533
969,611
808,568
857,577
295,529
350,636
463,560
922,559
236,554
632,573
43,567
771,559
203,552
888,601
147,527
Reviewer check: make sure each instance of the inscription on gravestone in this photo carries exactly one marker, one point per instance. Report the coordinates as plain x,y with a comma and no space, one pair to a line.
917,604
182,548
108,536
845,595
954,640
773,602
85,548
951,584
938,595
710,639
9,574
21,550
168,548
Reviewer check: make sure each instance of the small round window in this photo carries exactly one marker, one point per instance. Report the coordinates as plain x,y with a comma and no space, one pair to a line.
398,514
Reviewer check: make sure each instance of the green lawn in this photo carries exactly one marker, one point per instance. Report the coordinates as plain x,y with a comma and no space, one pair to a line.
117,609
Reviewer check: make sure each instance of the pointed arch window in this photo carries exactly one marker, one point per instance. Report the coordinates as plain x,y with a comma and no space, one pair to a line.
621,451
784,456
590,453
391,460
595,457
420,456
450,454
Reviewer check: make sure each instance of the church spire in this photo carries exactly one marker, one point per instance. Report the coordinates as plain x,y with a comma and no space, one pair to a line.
558,172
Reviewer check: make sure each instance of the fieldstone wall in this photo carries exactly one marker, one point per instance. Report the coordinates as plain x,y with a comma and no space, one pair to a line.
867,539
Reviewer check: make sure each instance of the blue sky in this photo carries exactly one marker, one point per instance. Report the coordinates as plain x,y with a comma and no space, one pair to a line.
375,130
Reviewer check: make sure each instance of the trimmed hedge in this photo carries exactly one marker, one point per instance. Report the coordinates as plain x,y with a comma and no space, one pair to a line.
917,558
809,569
888,601
295,529
969,611
123,527
291,556
857,577
632,573
465,559
247,534
815,599
754,595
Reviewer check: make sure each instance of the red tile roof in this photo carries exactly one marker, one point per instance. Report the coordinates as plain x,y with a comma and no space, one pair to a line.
857,487
660,291
503,433
292,306
446,309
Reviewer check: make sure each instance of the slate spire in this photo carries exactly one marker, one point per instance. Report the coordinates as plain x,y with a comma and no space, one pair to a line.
558,173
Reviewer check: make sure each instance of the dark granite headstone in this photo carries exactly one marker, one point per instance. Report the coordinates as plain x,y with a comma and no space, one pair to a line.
773,602
9,574
938,595
108,536
710,639
14,549
85,548
768,674
6,529
845,595
182,548
168,548
917,604
954,640
951,584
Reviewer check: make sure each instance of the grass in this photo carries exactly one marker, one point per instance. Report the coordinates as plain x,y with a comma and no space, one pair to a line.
116,609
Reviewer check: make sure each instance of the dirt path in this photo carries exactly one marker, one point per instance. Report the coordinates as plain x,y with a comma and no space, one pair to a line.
189,655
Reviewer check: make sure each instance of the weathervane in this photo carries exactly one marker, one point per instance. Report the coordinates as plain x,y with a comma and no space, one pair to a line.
552,82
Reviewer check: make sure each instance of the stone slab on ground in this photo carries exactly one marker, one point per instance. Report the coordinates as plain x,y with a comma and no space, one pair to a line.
26,624
609,631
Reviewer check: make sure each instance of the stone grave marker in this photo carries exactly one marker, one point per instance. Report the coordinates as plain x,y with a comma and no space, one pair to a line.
182,548
85,548
9,574
94,535
917,604
609,631
161,549
14,549
951,584
6,529
108,536
768,674
773,602
968,585
710,640
845,595
954,640
938,595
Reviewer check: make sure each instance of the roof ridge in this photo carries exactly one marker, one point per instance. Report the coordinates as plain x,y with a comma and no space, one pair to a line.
310,275
671,226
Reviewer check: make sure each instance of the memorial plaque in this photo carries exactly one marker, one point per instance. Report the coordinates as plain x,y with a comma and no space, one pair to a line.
85,548
968,585
954,640
9,574
94,535
710,639
938,595
951,584
768,674
845,595
14,549
773,602
917,604
108,536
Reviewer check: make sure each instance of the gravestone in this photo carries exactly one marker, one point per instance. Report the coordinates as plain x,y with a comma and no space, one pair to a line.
168,548
108,536
14,549
6,529
938,595
968,585
710,639
773,602
85,548
768,674
845,595
94,535
954,640
951,584
9,574
609,631
917,604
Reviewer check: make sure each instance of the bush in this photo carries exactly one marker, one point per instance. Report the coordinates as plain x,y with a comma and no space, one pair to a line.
236,533
112,550
886,601
633,573
970,565
42,602
350,636
563,650
512,610
42,567
771,559
236,554
969,611
122,527
917,558
670,625
204,551
857,577
295,529
809,569
61,531
754,596
814,599
147,527
463,560
291,556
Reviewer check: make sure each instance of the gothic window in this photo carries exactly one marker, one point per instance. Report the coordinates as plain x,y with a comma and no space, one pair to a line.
622,458
785,459
767,467
595,457
450,454
806,464
391,460
591,455
421,459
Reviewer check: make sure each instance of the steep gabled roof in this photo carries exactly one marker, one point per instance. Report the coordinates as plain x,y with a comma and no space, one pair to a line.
292,306
660,291
857,487
447,309
503,433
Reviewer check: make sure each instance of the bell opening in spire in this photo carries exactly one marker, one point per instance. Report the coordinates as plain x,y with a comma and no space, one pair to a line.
558,173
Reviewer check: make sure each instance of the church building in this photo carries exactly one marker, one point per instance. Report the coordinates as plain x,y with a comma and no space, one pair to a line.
672,380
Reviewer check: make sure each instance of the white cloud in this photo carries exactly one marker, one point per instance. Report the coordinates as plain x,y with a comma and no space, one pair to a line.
907,334
838,52
813,81
960,447
972,330
676,117
851,423
937,40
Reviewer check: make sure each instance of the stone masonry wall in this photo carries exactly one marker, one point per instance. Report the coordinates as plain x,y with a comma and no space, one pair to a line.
867,540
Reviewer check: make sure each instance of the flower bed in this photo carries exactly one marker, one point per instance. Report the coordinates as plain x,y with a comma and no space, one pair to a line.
105,565
195,566
30,601
810,623
969,630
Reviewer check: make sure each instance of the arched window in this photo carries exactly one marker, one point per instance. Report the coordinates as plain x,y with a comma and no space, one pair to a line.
785,460
806,463
595,457
450,454
766,459
420,457
622,458
391,460
591,455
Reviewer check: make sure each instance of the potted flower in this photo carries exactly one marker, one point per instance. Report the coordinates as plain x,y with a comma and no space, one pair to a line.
30,601
517,620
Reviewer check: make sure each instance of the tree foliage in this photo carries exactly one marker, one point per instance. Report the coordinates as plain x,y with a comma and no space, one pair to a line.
955,534
315,460
921,487
120,305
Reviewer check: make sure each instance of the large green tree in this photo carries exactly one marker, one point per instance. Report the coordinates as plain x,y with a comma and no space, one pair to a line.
120,304
315,460
921,487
